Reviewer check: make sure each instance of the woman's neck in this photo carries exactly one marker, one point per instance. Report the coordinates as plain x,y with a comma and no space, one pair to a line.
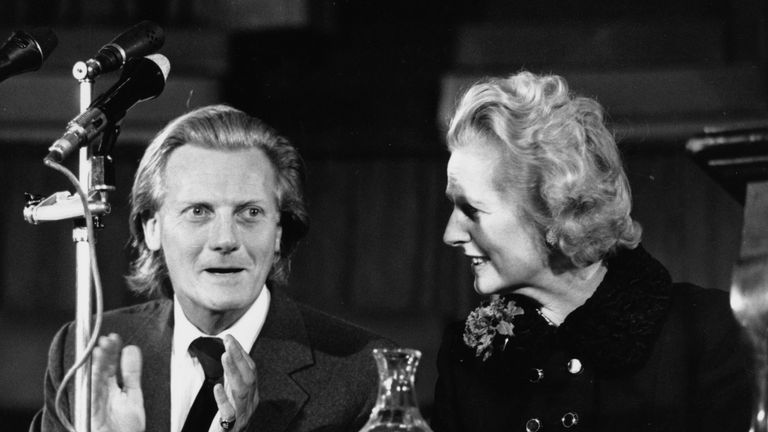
565,292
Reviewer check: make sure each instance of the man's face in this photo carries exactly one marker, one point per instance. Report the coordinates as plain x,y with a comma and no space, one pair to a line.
219,230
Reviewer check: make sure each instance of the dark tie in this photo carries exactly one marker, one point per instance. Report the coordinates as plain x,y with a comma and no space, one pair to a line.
208,351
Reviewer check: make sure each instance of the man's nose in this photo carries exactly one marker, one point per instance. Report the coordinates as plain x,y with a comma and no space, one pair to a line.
455,234
224,236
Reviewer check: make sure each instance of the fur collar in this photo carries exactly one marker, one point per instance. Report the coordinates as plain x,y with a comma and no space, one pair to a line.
615,329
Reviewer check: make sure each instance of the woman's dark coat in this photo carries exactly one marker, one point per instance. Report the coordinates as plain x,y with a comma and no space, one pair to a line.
652,356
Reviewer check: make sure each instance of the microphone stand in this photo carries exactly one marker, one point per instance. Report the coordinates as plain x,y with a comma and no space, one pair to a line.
95,177
95,171
83,308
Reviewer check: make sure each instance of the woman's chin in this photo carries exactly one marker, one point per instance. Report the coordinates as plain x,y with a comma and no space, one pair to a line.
487,288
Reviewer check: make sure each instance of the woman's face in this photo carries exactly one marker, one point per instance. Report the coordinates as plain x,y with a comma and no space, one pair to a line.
505,251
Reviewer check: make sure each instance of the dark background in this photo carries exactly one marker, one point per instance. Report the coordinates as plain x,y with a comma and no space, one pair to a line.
363,88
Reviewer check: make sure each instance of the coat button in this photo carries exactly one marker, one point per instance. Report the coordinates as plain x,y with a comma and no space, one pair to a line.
570,419
574,366
533,425
536,375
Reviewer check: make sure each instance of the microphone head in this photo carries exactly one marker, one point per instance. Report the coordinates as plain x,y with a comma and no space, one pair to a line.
24,52
140,40
46,40
162,62
143,78
144,38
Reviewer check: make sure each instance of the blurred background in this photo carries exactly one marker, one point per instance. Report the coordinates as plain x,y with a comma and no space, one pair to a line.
363,88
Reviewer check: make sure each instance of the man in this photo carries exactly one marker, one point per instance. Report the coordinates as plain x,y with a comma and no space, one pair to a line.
217,209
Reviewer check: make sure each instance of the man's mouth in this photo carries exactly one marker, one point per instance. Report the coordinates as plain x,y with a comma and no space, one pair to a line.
223,270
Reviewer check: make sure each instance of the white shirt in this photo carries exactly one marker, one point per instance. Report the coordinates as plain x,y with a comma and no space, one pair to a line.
187,374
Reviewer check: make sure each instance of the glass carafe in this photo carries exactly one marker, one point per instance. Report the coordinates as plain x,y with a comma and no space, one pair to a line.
749,301
396,407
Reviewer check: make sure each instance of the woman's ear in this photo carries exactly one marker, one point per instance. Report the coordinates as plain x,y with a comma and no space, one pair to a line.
152,233
278,238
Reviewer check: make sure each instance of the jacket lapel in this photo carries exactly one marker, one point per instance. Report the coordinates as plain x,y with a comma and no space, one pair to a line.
155,337
281,349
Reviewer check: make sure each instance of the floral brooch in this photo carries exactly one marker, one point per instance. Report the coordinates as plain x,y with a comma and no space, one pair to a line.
486,322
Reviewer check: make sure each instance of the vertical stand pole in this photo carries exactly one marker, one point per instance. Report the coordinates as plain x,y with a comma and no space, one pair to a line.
83,312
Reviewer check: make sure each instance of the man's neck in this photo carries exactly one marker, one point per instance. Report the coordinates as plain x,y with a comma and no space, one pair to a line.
214,323
244,324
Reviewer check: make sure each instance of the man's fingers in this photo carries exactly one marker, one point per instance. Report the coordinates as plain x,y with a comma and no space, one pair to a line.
98,376
226,410
240,380
110,346
234,346
105,357
103,369
114,408
130,364
239,362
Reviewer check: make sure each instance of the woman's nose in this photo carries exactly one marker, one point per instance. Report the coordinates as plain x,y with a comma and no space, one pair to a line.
455,234
224,236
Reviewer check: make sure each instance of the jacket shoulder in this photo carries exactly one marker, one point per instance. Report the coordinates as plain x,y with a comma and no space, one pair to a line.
706,307
126,320
705,315
139,311
335,335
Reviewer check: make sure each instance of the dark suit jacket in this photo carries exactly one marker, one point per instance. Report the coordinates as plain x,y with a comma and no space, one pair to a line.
655,356
315,372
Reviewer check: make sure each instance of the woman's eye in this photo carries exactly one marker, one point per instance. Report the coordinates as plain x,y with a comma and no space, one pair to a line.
469,211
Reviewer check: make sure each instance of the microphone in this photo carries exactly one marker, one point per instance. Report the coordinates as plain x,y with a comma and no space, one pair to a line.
140,40
25,52
142,79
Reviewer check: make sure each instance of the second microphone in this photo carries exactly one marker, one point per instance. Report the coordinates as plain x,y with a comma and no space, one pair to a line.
142,79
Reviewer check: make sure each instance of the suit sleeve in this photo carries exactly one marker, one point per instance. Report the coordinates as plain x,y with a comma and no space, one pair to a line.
371,378
445,417
59,360
725,372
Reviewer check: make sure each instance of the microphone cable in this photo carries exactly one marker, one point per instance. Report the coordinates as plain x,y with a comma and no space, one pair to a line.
97,291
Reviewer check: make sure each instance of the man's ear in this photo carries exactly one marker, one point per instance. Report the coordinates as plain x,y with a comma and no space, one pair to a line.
152,232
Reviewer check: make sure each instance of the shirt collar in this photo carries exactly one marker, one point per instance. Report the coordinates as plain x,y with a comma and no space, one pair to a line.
245,330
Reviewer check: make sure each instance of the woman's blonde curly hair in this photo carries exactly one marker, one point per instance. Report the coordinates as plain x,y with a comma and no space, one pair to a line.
559,156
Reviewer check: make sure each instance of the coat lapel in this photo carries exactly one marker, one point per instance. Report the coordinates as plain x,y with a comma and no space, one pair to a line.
281,349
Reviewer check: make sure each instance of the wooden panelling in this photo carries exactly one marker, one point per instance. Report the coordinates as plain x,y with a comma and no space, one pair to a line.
596,45
662,103
37,107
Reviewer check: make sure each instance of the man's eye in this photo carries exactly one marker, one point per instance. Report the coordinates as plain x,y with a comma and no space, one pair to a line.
252,212
197,211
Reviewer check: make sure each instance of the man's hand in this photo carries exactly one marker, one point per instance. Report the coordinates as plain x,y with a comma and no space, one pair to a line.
115,409
238,398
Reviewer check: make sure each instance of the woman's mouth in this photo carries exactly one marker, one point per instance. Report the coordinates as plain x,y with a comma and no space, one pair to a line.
478,261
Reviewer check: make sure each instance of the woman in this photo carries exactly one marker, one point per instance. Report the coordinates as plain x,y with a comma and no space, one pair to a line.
585,331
